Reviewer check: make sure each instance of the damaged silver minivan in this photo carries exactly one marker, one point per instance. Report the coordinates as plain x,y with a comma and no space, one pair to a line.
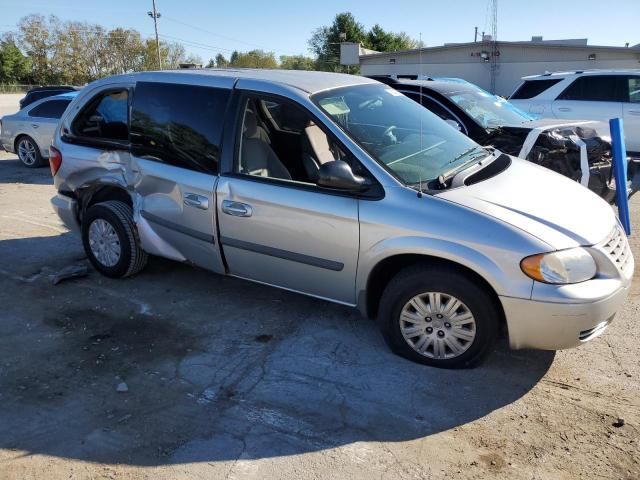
341,188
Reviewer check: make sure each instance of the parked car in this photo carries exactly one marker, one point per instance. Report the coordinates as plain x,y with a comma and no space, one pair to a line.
28,132
341,188
39,93
492,121
597,94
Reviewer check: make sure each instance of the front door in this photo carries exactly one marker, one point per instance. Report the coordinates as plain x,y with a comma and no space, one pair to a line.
631,113
276,225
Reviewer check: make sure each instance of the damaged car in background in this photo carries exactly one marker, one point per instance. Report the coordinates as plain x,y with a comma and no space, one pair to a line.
578,149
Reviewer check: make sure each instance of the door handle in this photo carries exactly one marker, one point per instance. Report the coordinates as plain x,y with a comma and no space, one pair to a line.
564,109
196,201
634,112
236,209
35,125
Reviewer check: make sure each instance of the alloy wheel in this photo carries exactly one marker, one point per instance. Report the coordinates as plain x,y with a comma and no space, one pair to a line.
27,152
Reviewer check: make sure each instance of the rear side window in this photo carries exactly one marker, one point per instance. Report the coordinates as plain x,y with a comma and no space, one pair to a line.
105,117
180,125
594,88
51,109
533,88
633,90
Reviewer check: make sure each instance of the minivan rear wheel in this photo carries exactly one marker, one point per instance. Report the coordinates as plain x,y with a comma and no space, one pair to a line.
438,316
110,240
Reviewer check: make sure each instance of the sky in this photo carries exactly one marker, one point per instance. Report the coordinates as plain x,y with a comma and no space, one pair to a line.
207,27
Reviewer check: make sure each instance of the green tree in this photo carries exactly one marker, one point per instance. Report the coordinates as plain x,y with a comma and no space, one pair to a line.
171,54
325,41
221,61
253,59
383,41
297,62
14,66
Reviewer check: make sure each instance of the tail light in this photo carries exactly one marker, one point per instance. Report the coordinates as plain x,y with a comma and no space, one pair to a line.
55,160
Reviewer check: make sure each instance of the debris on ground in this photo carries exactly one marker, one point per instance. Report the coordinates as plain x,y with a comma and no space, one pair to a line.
618,423
122,387
69,272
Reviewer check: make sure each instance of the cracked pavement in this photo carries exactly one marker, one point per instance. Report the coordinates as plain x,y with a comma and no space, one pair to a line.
228,379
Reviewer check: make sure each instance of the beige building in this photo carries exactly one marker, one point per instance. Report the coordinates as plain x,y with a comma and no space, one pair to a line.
473,61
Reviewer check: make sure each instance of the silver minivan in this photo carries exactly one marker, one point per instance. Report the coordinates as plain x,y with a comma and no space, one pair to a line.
341,188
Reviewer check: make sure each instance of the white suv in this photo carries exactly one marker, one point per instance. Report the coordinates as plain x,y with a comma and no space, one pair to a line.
592,95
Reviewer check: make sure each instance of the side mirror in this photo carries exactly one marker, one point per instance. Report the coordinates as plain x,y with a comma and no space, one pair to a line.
454,124
338,175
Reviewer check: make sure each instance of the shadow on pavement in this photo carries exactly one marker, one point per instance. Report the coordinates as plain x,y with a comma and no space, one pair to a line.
12,171
213,368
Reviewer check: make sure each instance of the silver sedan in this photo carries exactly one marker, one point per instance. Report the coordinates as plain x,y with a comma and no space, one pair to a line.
29,131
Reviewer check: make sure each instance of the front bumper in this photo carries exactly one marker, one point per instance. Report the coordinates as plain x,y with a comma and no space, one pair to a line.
554,326
66,208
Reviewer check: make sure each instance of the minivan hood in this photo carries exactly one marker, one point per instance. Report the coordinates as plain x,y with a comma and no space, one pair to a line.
545,204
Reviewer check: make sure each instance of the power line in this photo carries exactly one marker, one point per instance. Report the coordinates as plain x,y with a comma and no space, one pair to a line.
231,39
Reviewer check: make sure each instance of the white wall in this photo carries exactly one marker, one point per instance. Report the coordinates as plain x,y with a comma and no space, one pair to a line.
515,63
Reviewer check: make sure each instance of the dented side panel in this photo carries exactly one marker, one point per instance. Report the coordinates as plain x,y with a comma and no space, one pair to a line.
175,212
167,226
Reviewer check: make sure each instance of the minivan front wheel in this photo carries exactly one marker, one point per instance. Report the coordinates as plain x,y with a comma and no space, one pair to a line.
438,316
110,240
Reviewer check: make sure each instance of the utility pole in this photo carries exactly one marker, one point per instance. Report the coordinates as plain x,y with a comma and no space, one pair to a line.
156,15
475,36
494,45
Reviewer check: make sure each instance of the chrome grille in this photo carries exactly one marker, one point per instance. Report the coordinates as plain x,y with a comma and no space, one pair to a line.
617,248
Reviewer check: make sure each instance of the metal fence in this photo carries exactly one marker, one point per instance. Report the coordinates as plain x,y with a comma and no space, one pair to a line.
9,88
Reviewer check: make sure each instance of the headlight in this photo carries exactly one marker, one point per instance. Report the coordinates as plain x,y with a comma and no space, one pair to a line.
565,266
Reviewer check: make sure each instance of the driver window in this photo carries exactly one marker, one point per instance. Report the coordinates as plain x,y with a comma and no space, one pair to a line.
280,140
107,117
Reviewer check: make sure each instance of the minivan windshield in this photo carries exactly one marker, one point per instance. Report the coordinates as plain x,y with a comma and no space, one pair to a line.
409,140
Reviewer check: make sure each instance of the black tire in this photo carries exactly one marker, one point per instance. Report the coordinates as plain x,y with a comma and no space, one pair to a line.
419,279
119,215
39,161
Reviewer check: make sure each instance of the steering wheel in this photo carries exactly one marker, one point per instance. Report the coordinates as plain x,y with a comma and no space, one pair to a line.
389,136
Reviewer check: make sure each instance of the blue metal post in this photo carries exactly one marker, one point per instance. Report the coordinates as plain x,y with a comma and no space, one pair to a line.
620,172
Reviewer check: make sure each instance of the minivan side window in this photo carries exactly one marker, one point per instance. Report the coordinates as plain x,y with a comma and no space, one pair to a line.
533,88
280,140
633,90
106,117
51,109
180,125
594,88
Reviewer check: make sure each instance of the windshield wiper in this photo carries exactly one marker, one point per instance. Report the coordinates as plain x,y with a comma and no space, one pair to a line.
445,177
467,152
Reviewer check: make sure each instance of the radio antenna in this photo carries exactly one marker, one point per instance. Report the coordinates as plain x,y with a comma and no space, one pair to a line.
420,87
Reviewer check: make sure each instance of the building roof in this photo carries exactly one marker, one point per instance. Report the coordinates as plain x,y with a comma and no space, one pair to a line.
308,81
600,71
551,44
